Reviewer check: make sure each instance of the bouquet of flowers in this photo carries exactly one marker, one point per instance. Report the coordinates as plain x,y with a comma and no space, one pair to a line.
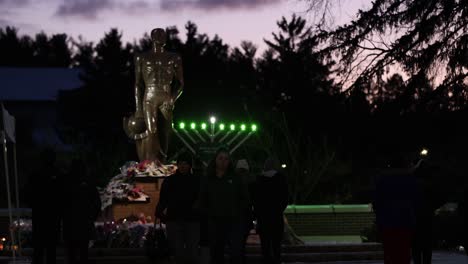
147,168
122,186
117,188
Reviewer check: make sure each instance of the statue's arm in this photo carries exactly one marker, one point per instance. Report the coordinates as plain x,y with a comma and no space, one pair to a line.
139,85
179,76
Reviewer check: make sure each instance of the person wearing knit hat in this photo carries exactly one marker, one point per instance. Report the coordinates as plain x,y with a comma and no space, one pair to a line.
242,164
271,167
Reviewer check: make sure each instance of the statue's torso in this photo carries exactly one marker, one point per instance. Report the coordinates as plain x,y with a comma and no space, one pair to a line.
158,70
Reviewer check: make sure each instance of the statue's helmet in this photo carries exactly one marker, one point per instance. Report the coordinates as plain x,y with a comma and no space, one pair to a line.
134,127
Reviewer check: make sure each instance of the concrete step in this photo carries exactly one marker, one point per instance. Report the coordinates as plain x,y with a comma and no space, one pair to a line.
323,248
291,254
250,249
251,259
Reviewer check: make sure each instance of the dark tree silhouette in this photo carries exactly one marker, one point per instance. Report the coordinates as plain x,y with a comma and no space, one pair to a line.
15,51
426,38
323,134
41,51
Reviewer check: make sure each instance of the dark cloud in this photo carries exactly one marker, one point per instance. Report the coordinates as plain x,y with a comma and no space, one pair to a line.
137,7
214,4
84,8
13,3
90,9
5,13
21,27
4,23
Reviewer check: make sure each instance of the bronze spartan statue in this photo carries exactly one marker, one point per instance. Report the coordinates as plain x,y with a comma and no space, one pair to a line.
158,84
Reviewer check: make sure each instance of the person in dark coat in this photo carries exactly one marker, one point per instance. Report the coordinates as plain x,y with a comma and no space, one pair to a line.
82,210
44,195
463,210
177,207
204,243
428,201
224,198
243,172
395,202
270,199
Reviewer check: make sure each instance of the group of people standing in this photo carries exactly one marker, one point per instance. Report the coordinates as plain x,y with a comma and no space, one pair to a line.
69,205
207,214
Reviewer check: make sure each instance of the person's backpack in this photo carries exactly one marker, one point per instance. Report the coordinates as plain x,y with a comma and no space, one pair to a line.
157,246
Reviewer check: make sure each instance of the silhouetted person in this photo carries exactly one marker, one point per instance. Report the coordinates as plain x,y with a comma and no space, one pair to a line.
243,172
270,200
83,207
464,215
204,243
224,198
427,203
44,196
177,207
395,209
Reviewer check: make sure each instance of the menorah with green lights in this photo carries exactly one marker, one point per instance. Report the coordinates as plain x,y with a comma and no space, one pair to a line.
215,134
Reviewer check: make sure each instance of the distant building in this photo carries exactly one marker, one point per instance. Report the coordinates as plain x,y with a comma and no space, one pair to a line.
30,95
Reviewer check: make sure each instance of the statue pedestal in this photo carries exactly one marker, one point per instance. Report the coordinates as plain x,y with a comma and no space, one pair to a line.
151,186
134,191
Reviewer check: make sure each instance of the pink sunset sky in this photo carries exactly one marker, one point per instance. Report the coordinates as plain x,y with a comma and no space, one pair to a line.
233,20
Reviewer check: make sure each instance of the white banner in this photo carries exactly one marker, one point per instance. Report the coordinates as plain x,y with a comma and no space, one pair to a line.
9,125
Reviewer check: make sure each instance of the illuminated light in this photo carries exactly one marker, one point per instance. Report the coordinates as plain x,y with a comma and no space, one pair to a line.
243,127
212,120
193,125
232,127
203,125
3,239
221,126
424,152
254,127
283,166
181,125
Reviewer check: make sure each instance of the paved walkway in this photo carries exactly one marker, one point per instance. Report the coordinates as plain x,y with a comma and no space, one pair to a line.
438,257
